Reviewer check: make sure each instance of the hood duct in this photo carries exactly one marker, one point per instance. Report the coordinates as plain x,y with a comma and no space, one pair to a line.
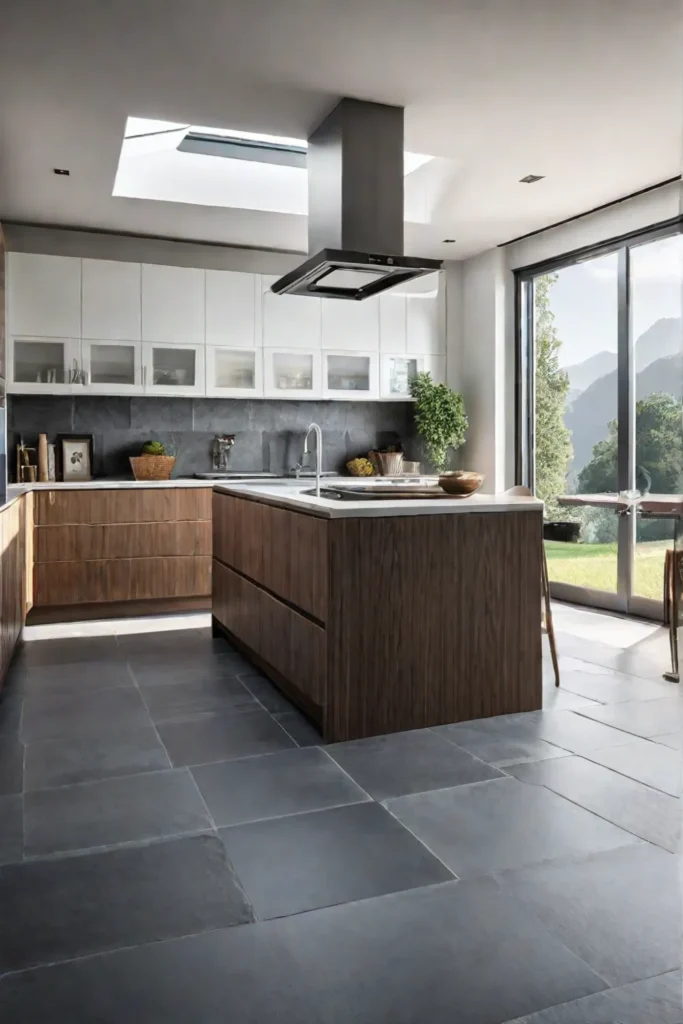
355,207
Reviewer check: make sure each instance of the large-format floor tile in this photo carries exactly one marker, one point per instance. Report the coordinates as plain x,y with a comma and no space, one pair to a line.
273,785
408,762
11,765
670,739
296,725
655,1001
201,740
235,975
68,651
644,812
620,911
619,659
112,811
654,764
166,701
642,718
502,824
105,755
443,955
68,907
606,686
11,829
288,865
264,691
80,677
11,704
494,741
558,698
79,714
569,729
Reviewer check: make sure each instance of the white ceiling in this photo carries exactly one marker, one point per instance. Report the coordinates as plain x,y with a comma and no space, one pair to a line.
586,92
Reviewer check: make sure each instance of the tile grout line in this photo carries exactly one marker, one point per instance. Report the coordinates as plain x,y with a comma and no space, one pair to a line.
129,844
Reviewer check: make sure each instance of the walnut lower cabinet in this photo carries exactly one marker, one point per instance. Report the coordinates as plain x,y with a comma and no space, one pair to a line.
122,551
384,623
12,579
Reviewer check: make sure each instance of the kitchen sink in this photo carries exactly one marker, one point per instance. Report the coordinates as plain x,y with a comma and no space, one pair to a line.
387,490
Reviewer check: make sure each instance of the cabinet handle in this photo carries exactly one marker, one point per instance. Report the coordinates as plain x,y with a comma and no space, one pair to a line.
51,497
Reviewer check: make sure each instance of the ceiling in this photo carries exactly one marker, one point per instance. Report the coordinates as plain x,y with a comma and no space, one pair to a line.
588,93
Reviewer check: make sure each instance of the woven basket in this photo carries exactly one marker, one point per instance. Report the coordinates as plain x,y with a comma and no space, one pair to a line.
152,467
389,463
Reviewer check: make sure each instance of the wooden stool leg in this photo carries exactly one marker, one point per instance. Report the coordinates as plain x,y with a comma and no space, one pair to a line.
673,591
549,619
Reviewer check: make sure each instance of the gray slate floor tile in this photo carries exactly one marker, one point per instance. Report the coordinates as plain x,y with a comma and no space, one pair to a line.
52,763
80,677
408,762
642,718
654,764
559,698
201,740
11,765
606,686
289,865
654,1001
670,739
273,785
264,691
228,976
166,701
490,740
446,954
113,811
79,714
571,730
72,906
296,725
68,651
502,824
620,911
630,805
11,704
182,670
11,829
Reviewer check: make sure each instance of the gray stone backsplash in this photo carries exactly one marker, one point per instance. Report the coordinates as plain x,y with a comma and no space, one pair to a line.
268,434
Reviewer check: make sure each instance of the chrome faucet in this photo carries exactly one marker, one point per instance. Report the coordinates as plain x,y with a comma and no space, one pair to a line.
318,454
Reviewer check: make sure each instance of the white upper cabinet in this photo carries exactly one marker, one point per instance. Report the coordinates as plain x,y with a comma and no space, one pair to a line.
349,325
289,321
232,301
392,323
44,295
173,304
426,319
111,300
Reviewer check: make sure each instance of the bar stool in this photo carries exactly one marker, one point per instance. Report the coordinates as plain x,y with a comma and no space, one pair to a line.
546,610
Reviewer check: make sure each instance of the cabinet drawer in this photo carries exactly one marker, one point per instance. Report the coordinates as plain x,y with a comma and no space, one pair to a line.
293,645
168,504
125,540
284,551
121,579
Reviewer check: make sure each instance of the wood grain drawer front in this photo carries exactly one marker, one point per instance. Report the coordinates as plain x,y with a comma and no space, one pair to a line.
282,550
292,644
133,540
148,505
12,554
121,579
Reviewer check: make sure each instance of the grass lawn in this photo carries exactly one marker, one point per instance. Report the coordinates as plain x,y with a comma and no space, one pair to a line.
595,566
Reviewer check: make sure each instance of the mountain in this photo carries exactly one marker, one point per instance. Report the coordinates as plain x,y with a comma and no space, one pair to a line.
582,375
590,413
659,367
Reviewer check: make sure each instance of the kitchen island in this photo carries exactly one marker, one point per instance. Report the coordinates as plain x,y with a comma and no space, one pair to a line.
381,616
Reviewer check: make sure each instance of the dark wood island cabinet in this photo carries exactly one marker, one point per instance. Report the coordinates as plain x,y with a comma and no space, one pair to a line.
383,622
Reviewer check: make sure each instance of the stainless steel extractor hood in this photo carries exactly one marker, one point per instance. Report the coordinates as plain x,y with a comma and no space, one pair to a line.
355,207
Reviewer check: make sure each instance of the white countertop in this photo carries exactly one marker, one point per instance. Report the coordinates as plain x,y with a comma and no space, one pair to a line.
105,484
288,494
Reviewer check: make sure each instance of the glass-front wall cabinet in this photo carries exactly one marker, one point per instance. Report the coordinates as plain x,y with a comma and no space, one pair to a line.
112,367
601,343
173,369
233,372
45,365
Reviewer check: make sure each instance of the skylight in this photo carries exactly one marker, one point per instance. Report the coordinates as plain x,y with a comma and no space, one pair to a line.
175,162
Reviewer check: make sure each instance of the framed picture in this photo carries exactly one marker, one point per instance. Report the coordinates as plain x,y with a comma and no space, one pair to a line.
75,455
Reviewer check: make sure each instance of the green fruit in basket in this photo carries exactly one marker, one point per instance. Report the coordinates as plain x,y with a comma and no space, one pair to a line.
153,448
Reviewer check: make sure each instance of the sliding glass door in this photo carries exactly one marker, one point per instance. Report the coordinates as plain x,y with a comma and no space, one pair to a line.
602,388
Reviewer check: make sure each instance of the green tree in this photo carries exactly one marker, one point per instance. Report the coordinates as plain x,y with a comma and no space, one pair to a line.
659,453
553,439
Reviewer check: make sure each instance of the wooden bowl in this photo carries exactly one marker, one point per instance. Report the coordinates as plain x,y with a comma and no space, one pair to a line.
461,481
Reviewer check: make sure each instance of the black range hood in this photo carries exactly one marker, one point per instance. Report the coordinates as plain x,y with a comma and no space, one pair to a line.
355,207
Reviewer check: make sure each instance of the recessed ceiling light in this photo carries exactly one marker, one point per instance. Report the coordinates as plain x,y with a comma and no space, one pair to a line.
60,170
532,178
447,241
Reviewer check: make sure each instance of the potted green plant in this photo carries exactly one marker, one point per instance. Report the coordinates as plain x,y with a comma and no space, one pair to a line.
439,417
152,463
